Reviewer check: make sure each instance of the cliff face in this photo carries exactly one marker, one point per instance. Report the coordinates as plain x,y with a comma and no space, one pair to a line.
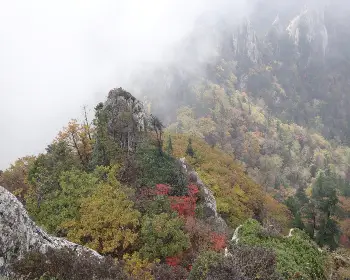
126,118
315,29
19,234
245,43
285,52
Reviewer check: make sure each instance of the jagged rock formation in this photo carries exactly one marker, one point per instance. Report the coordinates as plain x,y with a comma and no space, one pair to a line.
309,28
245,43
210,210
277,25
19,234
126,118
288,53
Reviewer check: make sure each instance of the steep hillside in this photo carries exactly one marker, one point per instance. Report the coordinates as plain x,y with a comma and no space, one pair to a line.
282,80
238,197
249,138
117,186
273,92
293,56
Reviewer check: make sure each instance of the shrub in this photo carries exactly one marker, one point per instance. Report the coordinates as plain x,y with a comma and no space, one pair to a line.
65,264
203,264
166,272
159,168
252,262
163,236
137,268
237,196
242,262
297,256
108,221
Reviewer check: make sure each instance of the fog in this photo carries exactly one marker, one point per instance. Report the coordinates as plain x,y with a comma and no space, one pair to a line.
57,56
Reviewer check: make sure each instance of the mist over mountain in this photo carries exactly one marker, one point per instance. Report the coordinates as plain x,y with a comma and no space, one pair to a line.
221,151
55,58
300,47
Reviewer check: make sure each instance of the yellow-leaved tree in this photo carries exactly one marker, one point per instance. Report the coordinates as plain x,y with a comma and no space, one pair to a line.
14,178
237,196
78,138
108,221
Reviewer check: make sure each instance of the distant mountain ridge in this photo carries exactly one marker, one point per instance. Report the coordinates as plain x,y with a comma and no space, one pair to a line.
300,47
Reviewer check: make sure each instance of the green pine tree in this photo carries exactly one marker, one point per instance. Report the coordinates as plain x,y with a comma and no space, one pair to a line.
189,150
325,199
169,146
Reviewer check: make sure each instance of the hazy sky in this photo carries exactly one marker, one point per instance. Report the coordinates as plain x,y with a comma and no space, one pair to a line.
56,56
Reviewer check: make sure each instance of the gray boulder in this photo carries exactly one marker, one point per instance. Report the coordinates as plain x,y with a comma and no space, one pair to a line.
19,234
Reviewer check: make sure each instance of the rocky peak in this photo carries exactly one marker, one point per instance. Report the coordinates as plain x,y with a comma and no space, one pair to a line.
245,42
120,101
309,28
126,116
277,25
19,234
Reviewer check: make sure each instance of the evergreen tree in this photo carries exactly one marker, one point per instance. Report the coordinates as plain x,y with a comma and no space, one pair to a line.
189,150
325,199
157,127
301,196
105,149
169,147
298,221
298,205
328,234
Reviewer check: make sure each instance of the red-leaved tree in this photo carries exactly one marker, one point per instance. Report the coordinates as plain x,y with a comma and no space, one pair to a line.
173,261
185,205
218,241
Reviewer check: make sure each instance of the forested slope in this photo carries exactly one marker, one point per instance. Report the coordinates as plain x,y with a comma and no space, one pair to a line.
254,115
115,186
273,93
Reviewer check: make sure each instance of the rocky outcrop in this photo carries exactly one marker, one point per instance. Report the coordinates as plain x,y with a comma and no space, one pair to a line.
309,28
245,43
19,234
126,118
211,214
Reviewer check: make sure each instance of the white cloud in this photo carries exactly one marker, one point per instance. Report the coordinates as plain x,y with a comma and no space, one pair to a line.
57,56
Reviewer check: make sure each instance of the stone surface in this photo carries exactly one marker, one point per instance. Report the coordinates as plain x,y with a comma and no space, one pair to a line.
19,234
210,210
311,25
127,118
245,43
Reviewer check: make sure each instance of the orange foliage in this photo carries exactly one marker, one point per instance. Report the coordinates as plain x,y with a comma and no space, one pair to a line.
184,205
344,241
345,226
162,189
199,233
78,137
345,223
14,178
218,241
